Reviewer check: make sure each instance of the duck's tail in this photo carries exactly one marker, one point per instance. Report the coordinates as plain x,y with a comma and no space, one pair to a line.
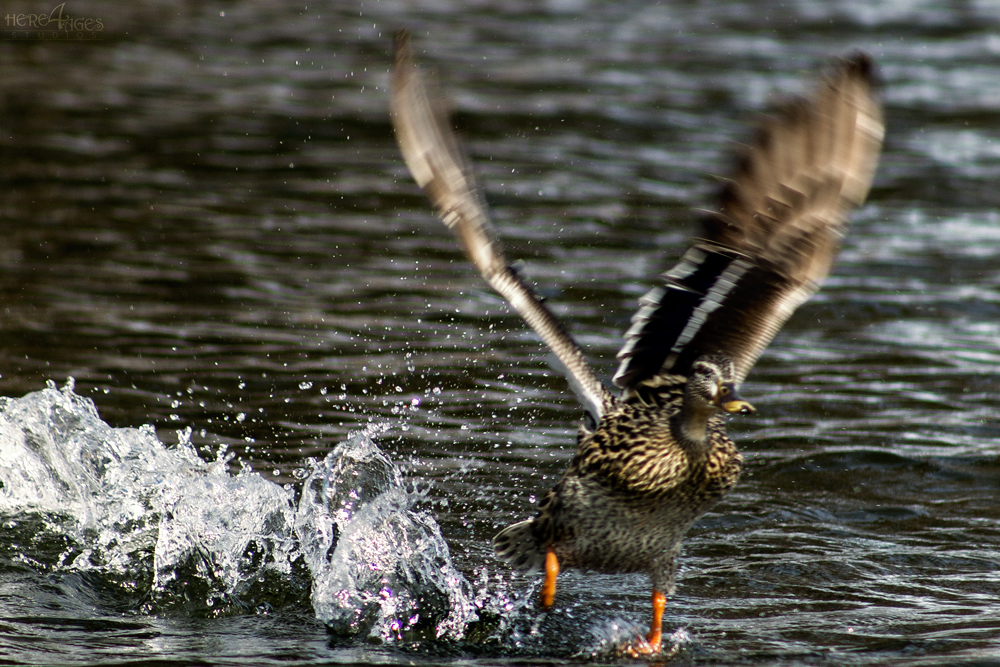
518,546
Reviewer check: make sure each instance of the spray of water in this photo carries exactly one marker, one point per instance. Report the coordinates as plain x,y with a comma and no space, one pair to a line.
351,540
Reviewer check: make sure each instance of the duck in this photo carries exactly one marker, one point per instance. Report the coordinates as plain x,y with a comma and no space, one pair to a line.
653,456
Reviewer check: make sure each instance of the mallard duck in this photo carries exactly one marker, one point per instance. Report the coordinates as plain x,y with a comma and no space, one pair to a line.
654,458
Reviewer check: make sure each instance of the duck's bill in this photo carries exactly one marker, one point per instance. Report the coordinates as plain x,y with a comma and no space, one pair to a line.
738,405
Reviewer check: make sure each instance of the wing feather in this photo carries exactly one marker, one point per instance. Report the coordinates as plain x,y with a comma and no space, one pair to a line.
439,166
774,237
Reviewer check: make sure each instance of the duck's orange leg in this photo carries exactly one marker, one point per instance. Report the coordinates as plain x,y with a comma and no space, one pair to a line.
654,640
551,572
655,636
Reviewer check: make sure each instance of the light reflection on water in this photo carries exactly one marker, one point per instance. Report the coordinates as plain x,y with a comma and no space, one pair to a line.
203,214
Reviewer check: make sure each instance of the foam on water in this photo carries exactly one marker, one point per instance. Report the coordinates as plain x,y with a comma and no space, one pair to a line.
132,506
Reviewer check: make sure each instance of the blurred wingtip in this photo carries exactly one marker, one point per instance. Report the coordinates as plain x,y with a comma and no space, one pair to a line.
859,65
860,62
402,52
402,62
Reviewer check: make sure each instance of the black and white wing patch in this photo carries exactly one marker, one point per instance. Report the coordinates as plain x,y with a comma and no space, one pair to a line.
774,237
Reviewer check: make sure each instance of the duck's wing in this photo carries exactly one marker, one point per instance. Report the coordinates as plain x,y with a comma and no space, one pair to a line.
774,238
438,164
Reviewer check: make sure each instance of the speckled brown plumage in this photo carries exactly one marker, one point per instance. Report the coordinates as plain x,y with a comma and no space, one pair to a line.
635,485
657,457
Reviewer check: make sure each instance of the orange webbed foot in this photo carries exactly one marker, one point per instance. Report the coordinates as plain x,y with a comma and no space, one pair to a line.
641,646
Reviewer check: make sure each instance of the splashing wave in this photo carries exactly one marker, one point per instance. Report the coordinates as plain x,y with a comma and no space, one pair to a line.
135,509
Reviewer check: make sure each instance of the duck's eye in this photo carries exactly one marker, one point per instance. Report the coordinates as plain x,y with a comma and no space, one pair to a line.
724,390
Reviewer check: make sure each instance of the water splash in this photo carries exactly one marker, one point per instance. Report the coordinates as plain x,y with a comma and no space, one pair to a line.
211,541
611,639
134,507
378,565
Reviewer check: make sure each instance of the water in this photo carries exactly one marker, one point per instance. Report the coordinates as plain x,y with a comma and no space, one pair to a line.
207,224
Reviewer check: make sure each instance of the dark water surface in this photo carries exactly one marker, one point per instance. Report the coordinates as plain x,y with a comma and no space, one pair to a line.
206,222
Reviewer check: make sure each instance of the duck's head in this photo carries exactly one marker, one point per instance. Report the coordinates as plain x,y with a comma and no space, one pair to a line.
712,385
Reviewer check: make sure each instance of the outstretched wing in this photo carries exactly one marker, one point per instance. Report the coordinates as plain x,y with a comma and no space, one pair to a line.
439,166
774,237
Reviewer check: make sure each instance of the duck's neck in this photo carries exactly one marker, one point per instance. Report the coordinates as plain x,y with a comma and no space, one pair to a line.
690,425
